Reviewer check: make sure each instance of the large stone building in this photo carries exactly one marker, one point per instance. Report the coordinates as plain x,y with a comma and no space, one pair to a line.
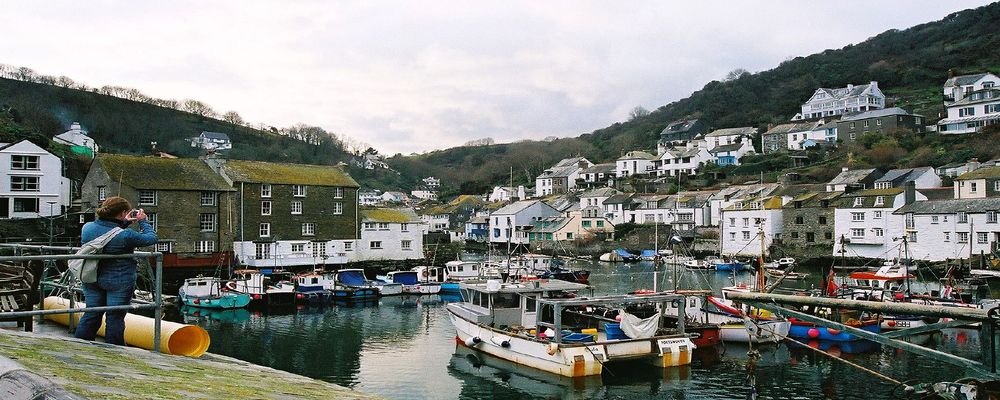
879,122
808,220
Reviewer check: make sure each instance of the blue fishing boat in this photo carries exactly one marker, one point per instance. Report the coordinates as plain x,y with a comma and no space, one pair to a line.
207,292
411,282
312,287
730,266
808,330
344,293
649,255
355,278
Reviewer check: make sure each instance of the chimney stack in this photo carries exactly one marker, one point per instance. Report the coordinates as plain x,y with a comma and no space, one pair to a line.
843,169
874,84
951,73
973,164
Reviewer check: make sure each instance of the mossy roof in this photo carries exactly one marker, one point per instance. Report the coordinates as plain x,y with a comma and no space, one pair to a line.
162,173
876,192
392,215
288,174
981,173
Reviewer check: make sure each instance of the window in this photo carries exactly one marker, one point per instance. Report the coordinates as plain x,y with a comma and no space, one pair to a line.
746,235
822,220
996,185
934,219
383,226
877,214
732,222
982,238
23,162
966,111
963,237
299,190
375,244
265,190
406,245
24,184
828,235
338,192
164,247
265,229
963,218
878,122
795,235
972,187
298,247
338,208
859,201
147,197
204,246
151,218
296,207
746,222
25,204
810,237
866,124
798,220
207,222
262,251
912,237
102,193
878,232
857,232
265,207
857,216
308,229
319,249
991,217
879,200
208,198
732,236
947,236
852,126
348,246
404,227
600,224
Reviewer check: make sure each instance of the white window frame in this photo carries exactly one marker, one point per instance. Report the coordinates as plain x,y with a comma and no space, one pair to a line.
298,191
164,247
859,201
982,237
102,193
934,219
151,218
857,217
319,249
878,232
963,237
264,229
147,197
879,200
348,246
746,235
991,217
338,208
265,207
962,217
262,251
406,245
204,246
296,207
858,233
375,245
25,162
404,227
208,198
25,184
876,215
308,229
338,192
207,222
265,190
298,247
947,236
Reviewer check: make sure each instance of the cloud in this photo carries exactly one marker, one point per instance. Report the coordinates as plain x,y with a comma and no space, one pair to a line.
410,77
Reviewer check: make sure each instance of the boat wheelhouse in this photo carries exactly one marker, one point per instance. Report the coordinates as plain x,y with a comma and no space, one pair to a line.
261,289
527,323
207,292
411,282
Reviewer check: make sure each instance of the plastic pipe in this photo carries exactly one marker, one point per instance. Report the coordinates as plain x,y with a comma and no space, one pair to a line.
177,339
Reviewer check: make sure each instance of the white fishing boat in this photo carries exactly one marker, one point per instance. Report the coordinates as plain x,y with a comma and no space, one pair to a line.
734,324
411,282
780,273
506,320
261,289
355,278
698,264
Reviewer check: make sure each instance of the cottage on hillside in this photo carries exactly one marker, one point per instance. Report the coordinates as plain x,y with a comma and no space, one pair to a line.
212,141
31,182
828,102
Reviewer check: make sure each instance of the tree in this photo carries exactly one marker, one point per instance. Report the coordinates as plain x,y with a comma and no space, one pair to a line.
233,118
736,74
65,81
198,108
637,112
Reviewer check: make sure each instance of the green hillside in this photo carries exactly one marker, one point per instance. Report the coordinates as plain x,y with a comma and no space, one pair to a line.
910,66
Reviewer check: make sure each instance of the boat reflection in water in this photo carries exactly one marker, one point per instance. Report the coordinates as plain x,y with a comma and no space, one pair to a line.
232,315
483,369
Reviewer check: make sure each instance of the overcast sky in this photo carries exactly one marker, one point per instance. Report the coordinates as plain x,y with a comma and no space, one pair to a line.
423,75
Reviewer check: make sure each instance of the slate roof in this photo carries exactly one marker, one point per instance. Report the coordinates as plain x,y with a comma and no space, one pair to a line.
851,176
981,173
681,153
979,97
943,193
549,224
877,113
746,130
847,91
600,169
559,171
680,126
951,206
904,174
287,174
516,207
620,198
601,192
215,135
162,173
575,161
790,127
637,155
392,215
963,80
726,147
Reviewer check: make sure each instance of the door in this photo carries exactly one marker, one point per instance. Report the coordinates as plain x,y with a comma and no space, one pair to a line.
528,311
4,207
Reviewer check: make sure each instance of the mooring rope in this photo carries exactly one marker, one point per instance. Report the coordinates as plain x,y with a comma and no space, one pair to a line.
855,365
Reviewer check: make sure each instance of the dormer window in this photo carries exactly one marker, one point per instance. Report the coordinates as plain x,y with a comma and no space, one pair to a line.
859,201
879,200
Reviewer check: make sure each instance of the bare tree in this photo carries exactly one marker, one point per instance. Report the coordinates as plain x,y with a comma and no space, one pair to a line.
638,111
65,81
232,117
198,108
25,74
736,74
480,142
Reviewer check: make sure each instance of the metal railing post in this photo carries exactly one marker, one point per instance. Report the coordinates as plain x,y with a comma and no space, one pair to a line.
158,300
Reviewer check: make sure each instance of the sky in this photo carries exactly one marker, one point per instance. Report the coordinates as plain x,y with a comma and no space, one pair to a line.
411,77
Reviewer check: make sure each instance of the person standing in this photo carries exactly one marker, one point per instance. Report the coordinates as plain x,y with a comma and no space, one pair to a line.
115,277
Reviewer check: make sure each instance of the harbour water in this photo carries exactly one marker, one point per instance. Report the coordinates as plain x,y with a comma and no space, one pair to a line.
404,348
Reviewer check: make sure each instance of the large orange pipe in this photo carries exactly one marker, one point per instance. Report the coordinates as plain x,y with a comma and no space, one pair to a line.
175,338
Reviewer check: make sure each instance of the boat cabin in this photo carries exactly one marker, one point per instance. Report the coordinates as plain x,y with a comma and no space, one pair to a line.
512,304
460,270
202,286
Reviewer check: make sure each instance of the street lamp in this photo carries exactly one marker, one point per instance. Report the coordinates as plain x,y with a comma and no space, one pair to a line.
51,218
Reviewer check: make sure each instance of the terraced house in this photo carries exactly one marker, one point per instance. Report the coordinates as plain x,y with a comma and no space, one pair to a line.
191,207
291,214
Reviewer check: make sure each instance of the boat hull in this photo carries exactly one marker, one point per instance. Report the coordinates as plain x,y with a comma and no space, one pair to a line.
806,330
750,331
353,294
730,267
571,360
224,301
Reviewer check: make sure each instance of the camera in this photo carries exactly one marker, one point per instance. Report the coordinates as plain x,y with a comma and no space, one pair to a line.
133,213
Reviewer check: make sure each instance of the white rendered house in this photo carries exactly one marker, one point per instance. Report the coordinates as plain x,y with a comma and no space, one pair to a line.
389,234
31,182
511,223
865,224
742,225
951,229
827,102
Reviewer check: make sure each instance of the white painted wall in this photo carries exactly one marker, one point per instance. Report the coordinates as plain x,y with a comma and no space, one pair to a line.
52,187
739,229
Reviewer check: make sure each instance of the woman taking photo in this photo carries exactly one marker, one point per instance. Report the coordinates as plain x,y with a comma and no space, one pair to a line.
115,277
